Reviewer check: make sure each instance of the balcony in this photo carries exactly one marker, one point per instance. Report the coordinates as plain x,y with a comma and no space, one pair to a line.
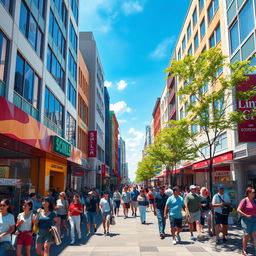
171,96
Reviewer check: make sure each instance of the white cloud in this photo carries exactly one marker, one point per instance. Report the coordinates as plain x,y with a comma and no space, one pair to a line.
120,107
122,121
121,85
107,83
132,7
163,49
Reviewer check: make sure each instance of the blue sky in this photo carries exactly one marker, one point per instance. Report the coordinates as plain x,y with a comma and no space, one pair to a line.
135,39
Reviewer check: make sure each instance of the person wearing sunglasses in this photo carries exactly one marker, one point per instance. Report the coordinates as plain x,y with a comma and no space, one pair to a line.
24,226
7,226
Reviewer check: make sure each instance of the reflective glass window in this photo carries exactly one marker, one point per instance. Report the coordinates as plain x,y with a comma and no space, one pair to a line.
28,83
23,19
202,29
7,4
196,41
189,31
32,31
36,92
194,17
39,42
201,5
3,56
19,74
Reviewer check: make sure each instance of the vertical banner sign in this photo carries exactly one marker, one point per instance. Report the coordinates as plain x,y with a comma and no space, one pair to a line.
92,143
247,129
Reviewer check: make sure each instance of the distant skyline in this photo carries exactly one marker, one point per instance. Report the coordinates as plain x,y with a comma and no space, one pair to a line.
135,40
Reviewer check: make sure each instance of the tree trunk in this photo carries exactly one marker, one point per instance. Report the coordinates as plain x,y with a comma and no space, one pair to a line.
210,177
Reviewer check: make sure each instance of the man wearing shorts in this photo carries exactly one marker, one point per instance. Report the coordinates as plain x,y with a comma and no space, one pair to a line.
91,211
220,200
106,207
193,212
134,203
174,206
126,197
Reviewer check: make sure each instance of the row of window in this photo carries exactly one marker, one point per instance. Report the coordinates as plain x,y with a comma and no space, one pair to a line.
30,29
83,82
74,6
71,94
73,37
242,26
27,82
83,111
61,7
40,6
54,67
57,35
72,66
82,141
221,144
4,44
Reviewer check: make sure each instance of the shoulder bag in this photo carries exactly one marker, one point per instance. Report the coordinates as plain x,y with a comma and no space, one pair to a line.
56,236
227,209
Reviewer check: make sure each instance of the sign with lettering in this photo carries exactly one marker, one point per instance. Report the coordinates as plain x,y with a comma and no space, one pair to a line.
247,129
10,182
61,146
92,143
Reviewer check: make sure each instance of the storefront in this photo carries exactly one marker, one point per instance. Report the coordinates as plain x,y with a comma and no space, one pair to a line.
32,157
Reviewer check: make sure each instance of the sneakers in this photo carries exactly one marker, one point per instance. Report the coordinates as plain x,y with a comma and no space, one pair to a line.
95,230
88,234
133,214
161,235
192,238
178,238
174,242
72,241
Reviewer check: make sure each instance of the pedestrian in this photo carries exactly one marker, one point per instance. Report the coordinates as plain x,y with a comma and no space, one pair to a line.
151,199
7,226
207,210
38,203
117,201
134,203
25,221
142,204
106,207
247,210
32,198
126,197
75,210
193,212
91,211
222,205
62,207
45,219
174,206
159,205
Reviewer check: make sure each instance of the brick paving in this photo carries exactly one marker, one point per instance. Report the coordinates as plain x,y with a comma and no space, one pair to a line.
129,237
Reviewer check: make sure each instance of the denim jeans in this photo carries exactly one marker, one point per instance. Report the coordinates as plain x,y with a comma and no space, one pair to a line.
4,248
142,210
161,220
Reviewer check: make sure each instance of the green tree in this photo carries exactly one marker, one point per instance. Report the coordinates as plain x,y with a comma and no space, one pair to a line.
171,147
209,98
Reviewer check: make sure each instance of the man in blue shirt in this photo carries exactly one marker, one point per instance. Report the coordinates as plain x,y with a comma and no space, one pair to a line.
174,206
134,203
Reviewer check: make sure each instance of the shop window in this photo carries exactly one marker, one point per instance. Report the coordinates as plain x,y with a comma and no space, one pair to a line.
4,43
202,29
71,129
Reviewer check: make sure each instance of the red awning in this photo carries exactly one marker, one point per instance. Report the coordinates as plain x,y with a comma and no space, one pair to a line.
218,159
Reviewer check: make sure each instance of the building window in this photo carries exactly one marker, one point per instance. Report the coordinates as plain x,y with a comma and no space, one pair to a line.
193,99
30,29
234,37
179,54
215,38
202,29
40,6
7,4
73,37
61,7
190,52
189,31
201,5
222,142
56,33
184,44
212,10
71,130
195,17
74,6
53,109
82,141
71,94
55,68
194,128
4,44
181,113
83,112
72,66
27,83
196,41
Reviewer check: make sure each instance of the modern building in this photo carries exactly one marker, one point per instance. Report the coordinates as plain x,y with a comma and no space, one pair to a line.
97,121
38,96
121,159
164,107
157,117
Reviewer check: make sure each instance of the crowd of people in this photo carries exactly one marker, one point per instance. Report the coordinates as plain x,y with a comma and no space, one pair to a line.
192,205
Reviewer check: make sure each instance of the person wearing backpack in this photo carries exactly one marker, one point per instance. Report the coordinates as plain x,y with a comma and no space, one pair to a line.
222,207
247,210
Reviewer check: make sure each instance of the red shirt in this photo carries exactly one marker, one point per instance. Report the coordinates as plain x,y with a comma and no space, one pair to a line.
72,207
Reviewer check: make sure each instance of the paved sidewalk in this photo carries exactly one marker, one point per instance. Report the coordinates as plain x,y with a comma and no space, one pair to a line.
130,238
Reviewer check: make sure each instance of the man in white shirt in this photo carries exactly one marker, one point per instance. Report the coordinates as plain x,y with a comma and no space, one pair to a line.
221,202
106,207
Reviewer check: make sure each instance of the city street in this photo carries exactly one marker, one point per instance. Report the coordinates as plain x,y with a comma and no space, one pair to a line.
131,238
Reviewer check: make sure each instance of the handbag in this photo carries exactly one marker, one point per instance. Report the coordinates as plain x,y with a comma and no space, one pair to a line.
227,209
56,236
112,220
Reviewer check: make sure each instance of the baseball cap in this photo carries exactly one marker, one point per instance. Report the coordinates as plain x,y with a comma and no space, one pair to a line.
192,187
221,186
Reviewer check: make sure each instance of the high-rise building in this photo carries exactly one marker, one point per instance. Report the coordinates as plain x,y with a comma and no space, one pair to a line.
121,158
89,51
38,93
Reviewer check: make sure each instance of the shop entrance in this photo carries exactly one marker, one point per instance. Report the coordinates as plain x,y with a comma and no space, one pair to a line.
56,180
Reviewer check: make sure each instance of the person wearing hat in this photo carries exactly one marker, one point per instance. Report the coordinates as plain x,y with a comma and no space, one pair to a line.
193,212
91,211
221,202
